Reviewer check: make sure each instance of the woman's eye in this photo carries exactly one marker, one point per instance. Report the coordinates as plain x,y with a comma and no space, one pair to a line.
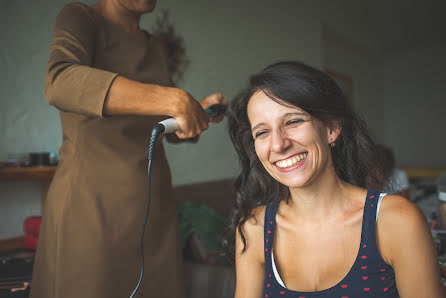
260,133
294,121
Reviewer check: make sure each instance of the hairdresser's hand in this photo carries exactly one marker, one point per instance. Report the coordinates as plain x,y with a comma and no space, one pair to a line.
190,116
213,99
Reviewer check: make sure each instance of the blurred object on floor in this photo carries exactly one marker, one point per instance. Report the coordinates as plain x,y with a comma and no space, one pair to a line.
201,230
17,294
204,280
15,286
15,273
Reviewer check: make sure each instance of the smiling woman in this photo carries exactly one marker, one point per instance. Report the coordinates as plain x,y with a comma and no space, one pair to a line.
306,214
284,138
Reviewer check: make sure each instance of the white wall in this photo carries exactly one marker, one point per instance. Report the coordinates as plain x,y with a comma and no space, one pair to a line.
414,94
226,41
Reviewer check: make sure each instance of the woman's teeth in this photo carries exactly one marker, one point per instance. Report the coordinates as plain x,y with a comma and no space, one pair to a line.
286,163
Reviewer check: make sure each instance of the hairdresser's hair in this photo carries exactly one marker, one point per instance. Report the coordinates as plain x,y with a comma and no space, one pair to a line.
177,61
317,94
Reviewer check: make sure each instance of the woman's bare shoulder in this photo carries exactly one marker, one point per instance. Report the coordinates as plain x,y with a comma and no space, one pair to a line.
405,243
398,210
255,223
398,218
253,229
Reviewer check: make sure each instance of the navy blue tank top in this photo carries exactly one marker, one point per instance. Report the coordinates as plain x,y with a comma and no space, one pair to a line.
370,275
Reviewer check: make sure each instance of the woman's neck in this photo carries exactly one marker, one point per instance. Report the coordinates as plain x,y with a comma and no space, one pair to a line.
325,198
118,14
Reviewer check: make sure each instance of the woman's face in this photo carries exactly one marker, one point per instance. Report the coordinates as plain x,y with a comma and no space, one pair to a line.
292,146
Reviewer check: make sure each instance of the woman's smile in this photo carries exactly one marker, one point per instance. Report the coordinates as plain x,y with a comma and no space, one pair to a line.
292,163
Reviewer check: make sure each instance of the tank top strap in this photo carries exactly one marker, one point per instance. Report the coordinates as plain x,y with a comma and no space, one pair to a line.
368,240
269,228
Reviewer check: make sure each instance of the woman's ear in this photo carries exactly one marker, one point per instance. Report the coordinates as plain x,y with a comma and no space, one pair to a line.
334,129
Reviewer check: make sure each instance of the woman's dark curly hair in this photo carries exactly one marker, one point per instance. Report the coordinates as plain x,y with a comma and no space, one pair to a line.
317,94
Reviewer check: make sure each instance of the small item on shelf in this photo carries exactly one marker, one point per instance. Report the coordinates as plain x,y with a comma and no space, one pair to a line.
53,158
10,165
39,159
16,160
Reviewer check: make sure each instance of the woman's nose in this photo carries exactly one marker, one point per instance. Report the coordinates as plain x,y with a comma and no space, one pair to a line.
279,142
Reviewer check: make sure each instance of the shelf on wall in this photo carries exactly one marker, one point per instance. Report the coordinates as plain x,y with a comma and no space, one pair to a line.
423,173
44,174
28,173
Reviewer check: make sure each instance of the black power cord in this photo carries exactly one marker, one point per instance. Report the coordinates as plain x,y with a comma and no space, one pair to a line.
156,132
166,126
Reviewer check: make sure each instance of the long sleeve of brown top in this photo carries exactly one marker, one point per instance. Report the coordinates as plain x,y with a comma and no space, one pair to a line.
71,84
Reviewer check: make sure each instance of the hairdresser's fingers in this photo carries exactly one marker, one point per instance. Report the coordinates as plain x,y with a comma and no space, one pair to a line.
202,122
180,134
190,135
214,99
188,129
190,116
192,125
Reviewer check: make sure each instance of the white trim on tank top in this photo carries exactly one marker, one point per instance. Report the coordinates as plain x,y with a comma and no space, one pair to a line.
276,273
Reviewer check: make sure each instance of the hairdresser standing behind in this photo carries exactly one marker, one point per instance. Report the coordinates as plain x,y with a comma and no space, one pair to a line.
111,83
